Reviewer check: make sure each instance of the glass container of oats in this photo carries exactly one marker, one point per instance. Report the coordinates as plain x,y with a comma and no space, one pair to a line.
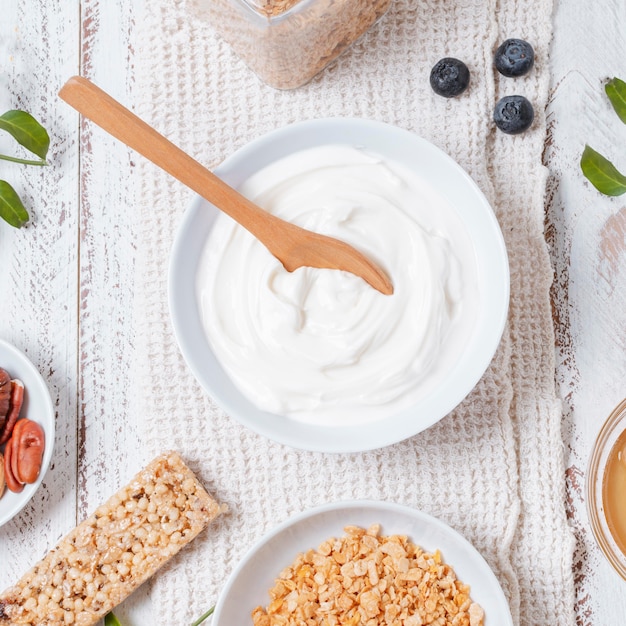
287,42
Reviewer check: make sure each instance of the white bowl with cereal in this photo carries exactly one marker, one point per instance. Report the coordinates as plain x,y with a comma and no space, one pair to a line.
292,571
317,359
26,428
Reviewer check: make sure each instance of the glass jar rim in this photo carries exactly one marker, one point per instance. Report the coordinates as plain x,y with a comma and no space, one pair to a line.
612,428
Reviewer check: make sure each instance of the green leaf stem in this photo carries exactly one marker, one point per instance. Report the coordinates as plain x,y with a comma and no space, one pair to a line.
111,620
203,617
5,157
30,134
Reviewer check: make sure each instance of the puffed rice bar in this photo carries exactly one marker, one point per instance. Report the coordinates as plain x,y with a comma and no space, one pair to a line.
106,557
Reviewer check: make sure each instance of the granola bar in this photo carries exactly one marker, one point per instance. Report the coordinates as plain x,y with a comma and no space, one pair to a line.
106,557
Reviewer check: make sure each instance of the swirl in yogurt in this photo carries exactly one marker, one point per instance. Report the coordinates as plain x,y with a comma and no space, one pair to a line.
322,346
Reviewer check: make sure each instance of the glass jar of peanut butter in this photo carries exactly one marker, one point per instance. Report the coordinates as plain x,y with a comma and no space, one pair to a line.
287,42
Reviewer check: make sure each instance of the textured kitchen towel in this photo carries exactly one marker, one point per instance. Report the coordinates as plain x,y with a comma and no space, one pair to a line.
493,468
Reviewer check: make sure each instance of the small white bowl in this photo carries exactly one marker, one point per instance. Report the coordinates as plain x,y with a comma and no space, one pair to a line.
248,585
449,180
37,407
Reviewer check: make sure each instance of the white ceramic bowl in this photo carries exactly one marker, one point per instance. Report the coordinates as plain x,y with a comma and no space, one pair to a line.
449,179
248,585
38,407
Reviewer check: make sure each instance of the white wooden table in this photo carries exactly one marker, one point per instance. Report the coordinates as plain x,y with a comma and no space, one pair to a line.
67,299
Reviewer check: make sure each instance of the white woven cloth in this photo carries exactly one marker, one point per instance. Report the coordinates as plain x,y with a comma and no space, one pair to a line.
493,469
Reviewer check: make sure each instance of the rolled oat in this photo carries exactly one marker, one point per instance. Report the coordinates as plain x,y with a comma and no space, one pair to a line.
287,42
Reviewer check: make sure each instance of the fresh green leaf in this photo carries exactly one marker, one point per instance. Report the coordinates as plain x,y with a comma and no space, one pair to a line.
111,620
616,91
11,208
27,131
602,174
203,617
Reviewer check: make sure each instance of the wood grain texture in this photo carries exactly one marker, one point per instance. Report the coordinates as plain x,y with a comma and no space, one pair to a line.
71,270
69,290
587,235
38,311
110,452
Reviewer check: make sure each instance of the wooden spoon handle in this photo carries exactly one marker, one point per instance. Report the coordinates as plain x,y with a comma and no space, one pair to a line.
98,106
292,245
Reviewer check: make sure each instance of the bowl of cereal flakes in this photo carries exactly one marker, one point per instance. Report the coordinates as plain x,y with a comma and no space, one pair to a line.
355,561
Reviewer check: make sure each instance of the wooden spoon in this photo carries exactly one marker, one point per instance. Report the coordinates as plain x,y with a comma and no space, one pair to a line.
292,245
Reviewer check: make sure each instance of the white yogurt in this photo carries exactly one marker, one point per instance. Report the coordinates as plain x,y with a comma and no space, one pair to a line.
322,346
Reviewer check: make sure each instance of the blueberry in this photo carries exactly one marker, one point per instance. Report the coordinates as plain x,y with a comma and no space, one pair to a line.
514,57
513,114
449,77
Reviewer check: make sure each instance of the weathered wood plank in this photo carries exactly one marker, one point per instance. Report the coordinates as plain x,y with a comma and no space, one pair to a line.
110,452
38,310
587,235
